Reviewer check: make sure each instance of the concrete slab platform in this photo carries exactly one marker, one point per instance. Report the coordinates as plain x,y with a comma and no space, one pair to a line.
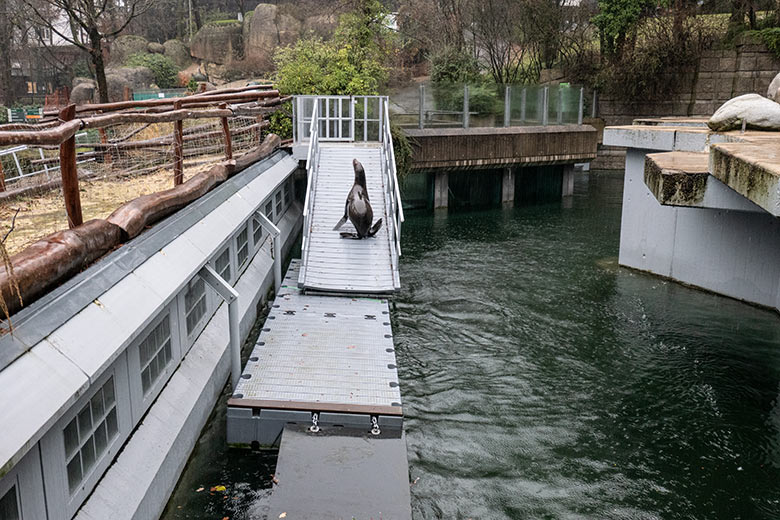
341,474
752,169
677,178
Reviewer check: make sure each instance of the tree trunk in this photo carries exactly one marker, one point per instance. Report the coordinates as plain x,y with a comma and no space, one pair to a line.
6,81
96,53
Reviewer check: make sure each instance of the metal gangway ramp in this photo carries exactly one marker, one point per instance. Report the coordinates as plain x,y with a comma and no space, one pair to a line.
337,130
321,382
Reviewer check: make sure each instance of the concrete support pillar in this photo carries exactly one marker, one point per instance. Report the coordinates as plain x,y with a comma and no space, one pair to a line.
568,180
441,188
508,186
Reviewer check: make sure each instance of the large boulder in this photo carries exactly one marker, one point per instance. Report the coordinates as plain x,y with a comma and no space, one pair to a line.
135,77
757,111
116,86
155,48
178,53
83,92
217,43
125,46
773,92
267,29
78,80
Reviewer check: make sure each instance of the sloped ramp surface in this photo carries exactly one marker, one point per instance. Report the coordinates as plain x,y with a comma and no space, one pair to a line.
339,265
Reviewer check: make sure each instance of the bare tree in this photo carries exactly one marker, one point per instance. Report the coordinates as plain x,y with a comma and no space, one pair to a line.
90,24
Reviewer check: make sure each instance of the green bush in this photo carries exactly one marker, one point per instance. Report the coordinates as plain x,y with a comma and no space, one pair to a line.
771,38
3,114
451,65
403,150
281,122
162,67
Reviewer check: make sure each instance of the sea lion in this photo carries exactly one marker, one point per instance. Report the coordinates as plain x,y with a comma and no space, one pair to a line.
358,208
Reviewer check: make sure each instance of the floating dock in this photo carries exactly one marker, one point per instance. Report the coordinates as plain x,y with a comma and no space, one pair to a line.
321,382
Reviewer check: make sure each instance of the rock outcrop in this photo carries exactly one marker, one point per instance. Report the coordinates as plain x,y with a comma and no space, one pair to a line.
267,29
217,43
155,48
758,112
125,46
83,91
178,53
773,92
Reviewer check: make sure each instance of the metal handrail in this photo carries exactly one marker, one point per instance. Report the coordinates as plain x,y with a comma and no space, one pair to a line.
395,195
311,160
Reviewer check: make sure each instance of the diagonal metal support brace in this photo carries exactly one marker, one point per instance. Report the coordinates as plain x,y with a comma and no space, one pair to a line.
276,251
226,291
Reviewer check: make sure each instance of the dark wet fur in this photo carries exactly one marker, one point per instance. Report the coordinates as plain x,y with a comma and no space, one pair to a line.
358,208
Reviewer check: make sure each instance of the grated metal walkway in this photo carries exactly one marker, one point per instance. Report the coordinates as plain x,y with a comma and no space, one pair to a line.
339,265
323,353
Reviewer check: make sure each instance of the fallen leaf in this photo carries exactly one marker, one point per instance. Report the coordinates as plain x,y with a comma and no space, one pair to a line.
218,488
199,490
275,480
283,515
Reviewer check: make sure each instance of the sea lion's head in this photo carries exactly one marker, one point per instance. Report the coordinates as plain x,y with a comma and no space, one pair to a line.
360,173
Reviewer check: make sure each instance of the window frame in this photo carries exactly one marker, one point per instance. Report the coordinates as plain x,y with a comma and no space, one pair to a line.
140,401
60,501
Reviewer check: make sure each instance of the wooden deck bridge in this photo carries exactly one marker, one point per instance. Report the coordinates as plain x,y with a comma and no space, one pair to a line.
322,381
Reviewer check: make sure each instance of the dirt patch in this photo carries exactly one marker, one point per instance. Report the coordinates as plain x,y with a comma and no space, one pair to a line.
43,214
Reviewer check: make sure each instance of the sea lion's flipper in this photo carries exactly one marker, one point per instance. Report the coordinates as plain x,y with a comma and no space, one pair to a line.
344,218
344,234
375,228
341,223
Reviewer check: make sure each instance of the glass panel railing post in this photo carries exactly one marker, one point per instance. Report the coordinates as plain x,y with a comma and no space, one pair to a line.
422,106
465,106
559,118
545,104
507,105
593,107
582,105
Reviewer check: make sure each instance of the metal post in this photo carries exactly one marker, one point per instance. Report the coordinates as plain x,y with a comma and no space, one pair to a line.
295,119
2,177
582,105
559,119
522,105
507,105
545,104
422,106
593,110
226,291
16,160
365,118
465,106
43,158
178,148
276,252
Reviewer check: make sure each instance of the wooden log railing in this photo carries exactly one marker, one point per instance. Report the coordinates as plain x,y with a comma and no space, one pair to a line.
252,101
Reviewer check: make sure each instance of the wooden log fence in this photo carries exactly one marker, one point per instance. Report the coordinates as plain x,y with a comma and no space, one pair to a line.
61,133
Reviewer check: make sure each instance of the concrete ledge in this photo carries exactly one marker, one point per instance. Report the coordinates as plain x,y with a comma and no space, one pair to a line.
677,178
139,482
752,169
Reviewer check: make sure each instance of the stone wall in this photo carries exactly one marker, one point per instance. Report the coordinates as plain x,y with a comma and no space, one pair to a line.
720,76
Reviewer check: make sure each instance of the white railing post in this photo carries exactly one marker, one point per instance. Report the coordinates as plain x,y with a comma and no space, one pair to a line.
465,106
581,106
229,294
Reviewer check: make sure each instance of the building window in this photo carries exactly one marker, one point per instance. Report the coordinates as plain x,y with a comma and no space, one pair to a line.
287,193
9,505
195,304
257,232
242,246
278,198
269,210
155,353
88,435
222,265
